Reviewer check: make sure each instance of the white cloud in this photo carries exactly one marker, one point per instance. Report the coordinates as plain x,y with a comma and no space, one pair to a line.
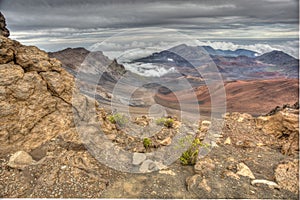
148,69
289,47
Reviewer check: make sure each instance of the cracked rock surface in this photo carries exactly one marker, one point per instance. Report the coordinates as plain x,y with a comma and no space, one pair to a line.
37,119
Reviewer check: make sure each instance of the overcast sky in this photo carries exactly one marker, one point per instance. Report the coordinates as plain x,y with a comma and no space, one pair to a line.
53,24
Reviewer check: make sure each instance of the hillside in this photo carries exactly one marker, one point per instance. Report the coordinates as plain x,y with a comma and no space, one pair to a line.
256,97
101,75
230,53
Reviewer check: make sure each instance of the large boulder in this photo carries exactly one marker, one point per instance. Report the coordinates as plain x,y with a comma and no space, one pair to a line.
36,97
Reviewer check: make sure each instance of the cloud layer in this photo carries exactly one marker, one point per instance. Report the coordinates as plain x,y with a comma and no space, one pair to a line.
54,24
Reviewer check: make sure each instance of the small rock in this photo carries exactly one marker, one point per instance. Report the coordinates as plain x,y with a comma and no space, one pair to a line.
260,144
160,165
111,136
204,166
169,172
271,184
152,166
214,144
63,167
191,181
139,148
205,123
244,170
232,175
166,141
190,133
230,159
38,153
145,166
203,184
217,135
20,160
138,158
227,141
205,126
128,187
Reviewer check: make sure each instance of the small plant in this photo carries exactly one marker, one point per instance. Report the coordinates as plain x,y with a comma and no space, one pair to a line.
160,121
167,122
189,157
147,142
117,119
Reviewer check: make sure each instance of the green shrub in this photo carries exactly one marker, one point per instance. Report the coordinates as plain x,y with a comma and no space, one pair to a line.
147,142
189,157
167,122
160,121
117,119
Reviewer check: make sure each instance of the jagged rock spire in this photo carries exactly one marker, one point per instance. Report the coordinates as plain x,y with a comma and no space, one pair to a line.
3,30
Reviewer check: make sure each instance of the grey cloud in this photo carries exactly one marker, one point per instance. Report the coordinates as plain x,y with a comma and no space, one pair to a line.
125,14
73,20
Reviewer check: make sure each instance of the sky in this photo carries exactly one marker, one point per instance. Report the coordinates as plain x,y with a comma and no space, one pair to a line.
260,25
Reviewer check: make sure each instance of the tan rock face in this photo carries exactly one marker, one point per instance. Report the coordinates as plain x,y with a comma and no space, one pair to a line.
285,126
35,97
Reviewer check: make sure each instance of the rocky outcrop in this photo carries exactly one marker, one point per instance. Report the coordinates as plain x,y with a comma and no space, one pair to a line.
284,125
3,30
278,108
36,97
41,153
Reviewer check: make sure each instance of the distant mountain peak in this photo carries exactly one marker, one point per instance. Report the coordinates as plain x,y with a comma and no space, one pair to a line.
230,53
277,57
278,53
75,49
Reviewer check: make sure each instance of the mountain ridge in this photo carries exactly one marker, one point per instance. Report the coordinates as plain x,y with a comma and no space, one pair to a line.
230,53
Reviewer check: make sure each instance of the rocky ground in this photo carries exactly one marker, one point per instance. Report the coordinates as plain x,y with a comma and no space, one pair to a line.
254,158
250,161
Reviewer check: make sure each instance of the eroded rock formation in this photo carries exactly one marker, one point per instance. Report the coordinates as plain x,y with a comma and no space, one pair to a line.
3,30
36,97
38,114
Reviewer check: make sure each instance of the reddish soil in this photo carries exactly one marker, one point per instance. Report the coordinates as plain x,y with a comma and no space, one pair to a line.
256,97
